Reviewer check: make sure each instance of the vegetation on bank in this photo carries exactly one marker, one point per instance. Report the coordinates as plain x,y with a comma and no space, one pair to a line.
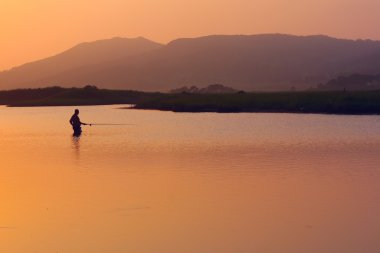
337,102
57,96
334,102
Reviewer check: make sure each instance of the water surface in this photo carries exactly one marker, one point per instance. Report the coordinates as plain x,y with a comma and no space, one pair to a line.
188,183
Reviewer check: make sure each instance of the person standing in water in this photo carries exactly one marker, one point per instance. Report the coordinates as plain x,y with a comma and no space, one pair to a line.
76,123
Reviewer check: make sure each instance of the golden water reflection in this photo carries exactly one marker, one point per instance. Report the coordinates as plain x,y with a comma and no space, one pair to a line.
188,182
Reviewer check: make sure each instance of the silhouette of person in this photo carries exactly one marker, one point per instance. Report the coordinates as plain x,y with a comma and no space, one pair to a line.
76,123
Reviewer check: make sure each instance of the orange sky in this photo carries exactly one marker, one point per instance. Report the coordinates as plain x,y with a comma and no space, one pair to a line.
36,29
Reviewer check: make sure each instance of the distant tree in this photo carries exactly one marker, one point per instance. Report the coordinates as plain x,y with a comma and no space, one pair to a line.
352,82
90,87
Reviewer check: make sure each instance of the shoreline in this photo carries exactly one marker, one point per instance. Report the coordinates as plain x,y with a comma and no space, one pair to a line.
300,102
262,111
196,111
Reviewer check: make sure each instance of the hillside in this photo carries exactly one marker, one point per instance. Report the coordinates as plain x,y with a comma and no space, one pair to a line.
84,54
355,82
256,62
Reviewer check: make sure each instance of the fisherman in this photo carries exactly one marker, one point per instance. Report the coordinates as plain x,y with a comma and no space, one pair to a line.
76,123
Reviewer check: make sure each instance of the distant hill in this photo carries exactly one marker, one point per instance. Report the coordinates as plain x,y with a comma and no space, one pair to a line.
255,62
355,82
85,54
211,89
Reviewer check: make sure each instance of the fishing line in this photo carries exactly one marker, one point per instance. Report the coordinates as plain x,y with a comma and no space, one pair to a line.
109,124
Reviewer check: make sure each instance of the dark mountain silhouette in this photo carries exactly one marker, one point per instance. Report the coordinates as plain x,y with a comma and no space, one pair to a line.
256,62
85,54
355,82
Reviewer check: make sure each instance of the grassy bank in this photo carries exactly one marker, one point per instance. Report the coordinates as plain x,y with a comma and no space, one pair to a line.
57,96
337,102
334,102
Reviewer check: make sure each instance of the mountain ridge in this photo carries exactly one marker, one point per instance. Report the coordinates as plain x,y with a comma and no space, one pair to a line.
249,62
86,53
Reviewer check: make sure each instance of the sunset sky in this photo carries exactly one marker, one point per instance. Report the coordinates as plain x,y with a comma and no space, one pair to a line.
36,29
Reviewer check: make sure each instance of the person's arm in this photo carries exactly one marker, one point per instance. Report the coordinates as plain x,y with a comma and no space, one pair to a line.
82,123
71,121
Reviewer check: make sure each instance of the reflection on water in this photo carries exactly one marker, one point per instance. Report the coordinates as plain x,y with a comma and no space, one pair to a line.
188,182
76,146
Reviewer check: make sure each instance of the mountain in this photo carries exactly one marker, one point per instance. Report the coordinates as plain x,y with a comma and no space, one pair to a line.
84,54
243,62
353,82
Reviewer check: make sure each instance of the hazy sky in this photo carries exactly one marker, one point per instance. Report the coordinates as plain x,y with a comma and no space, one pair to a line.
33,29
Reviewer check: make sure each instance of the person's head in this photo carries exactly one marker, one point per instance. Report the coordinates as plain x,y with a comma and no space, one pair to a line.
76,111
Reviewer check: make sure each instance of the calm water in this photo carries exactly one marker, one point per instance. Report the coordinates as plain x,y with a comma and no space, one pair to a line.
188,183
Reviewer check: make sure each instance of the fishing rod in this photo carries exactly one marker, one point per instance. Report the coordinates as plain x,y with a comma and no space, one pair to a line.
109,124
